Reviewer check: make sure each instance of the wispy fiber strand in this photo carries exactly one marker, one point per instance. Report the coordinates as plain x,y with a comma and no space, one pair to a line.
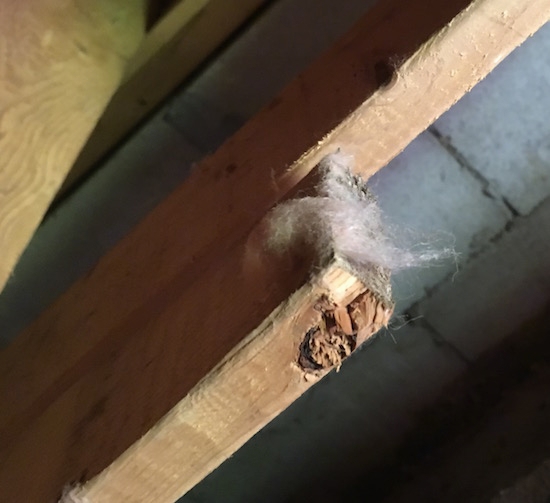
344,220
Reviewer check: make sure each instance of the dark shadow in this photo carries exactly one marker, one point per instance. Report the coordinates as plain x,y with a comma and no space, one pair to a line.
156,9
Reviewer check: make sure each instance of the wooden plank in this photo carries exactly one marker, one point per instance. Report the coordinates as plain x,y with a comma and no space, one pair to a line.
132,338
60,62
176,46
253,384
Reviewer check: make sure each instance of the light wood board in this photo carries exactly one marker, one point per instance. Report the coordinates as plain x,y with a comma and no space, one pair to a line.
253,384
60,63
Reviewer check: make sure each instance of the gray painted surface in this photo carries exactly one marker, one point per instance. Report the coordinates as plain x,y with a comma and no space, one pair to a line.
470,186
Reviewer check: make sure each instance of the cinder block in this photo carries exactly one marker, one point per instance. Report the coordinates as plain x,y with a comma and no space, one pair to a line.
426,196
505,286
502,126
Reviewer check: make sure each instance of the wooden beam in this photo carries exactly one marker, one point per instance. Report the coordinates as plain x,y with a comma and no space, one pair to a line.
253,384
127,342
176,46
60,62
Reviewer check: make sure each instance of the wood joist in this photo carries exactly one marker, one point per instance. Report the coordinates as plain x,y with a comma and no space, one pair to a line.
171,322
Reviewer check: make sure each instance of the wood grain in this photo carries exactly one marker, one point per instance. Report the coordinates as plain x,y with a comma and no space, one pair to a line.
60,62
254,383
176,46
170,301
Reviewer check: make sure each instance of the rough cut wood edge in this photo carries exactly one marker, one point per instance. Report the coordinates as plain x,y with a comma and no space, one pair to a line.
60,63
130,339
177,45
252,385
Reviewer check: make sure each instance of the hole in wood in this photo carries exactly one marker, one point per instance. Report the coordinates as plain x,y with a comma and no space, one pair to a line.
341,330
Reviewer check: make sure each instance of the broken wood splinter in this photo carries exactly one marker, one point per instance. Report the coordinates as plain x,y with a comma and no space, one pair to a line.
341,331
